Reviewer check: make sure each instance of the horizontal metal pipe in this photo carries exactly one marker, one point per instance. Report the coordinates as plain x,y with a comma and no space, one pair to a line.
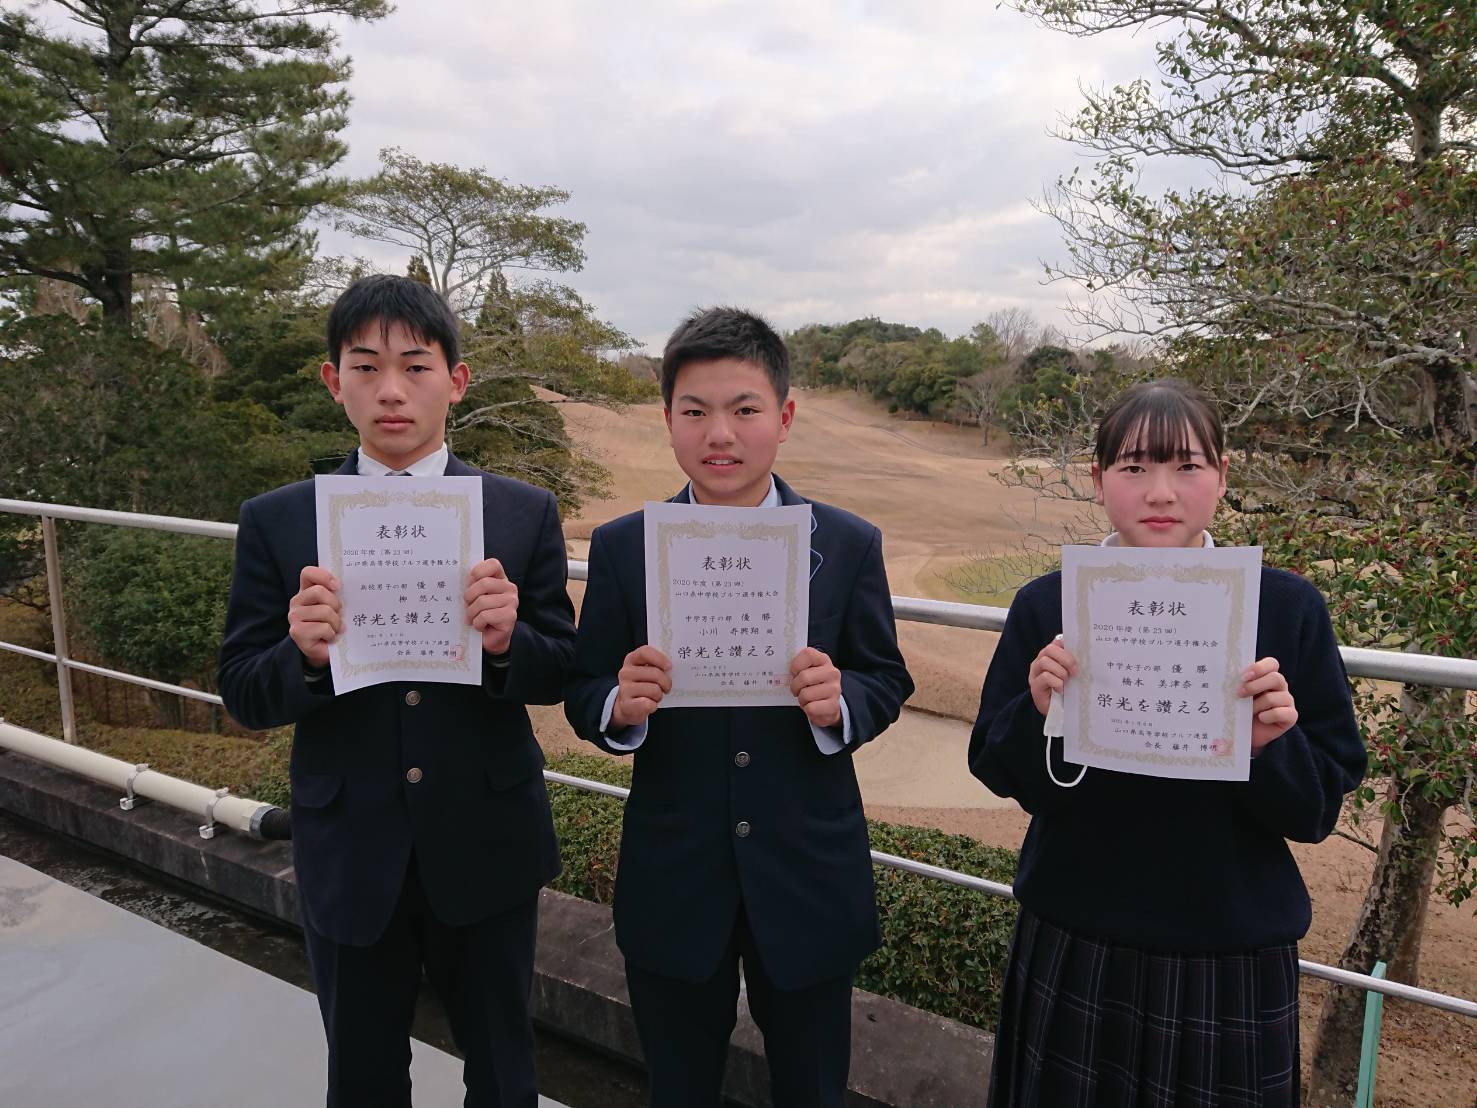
117,675
180,525
1389,988
1381,665
1388,665
237,813
28,652
146,682
587,785
1360,661
996,888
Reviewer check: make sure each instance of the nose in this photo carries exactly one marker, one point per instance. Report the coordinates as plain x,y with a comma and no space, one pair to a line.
390,387
1161,485
720,430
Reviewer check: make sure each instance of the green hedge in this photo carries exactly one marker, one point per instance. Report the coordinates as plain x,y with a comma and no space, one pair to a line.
943,946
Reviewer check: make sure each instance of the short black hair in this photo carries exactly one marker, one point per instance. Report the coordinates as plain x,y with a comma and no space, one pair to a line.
387,299
1155,420
713,333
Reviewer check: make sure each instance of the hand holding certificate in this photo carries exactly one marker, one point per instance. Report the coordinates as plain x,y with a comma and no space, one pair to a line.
1161,637
403,550
727,600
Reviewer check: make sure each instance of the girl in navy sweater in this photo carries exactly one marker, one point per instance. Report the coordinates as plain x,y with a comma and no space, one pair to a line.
1155,958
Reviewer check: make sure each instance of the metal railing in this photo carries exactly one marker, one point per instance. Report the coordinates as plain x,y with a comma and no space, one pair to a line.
1385,665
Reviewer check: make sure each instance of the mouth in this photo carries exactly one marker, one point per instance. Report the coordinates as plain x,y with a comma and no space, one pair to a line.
720,461
1159,522
392,422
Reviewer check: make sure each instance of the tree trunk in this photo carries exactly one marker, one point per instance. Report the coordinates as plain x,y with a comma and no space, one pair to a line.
1451,421
169,709
1388,930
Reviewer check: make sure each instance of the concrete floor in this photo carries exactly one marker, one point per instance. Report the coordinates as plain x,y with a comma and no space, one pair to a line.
100,1007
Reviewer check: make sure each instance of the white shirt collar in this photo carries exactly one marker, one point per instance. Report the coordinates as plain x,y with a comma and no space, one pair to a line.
432,465
1113,540
770,501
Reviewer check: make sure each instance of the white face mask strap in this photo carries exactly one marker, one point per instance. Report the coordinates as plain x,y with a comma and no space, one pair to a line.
1052,773
1054,728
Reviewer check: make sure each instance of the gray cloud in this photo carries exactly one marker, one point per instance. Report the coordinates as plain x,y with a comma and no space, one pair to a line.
817,161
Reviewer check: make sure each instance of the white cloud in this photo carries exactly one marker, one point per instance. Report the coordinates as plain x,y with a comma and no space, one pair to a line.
815,161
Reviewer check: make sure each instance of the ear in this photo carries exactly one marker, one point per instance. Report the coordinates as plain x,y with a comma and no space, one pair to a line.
787,417
667,415
329,373
461,377
1225,467
1097,482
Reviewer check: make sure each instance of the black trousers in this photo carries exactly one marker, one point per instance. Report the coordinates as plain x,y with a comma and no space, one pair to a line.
685,1028
482,973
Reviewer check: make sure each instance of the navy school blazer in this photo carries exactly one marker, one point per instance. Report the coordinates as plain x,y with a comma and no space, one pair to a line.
732,805
477,813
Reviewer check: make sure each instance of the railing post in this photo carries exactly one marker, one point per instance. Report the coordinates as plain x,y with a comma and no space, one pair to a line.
1369,1046
59,628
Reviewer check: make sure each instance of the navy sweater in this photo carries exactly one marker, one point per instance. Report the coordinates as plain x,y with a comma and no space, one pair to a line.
1168,864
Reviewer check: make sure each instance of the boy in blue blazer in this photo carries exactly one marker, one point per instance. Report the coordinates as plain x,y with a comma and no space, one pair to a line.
744,840
421,824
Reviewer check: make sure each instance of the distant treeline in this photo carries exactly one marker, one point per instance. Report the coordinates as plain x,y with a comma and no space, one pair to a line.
1004,366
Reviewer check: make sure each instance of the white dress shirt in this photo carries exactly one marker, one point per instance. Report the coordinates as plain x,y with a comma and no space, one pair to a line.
432,465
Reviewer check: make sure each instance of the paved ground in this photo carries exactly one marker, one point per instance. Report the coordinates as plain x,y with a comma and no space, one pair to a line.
101,1007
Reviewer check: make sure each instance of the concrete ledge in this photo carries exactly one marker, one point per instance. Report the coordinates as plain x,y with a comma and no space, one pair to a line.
900,1055
256,875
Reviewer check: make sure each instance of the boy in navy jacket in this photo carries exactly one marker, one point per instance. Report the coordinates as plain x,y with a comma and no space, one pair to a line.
421,824
744,838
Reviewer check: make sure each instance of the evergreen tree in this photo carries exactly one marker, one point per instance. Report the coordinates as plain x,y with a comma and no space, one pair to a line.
180,139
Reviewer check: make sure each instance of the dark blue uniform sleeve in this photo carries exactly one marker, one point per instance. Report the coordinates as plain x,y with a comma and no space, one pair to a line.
604,639
262,676
1299,780
1006,748
874,679
543,638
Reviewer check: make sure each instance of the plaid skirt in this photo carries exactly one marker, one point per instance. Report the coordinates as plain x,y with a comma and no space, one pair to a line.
1090,1024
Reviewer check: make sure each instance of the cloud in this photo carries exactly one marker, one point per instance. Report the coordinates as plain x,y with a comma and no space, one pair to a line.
817,162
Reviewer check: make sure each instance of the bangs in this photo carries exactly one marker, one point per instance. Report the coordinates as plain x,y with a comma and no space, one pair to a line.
1161,421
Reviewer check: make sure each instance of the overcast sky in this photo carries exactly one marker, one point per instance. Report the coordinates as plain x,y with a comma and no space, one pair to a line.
817,160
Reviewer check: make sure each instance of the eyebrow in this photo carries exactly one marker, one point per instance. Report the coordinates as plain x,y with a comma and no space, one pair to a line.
1135,455
404,353
741,398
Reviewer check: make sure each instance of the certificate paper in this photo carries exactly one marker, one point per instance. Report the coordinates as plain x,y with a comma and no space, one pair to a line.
727,600
1161,639
403,549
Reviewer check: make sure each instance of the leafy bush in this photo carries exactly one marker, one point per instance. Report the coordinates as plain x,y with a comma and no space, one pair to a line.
154,604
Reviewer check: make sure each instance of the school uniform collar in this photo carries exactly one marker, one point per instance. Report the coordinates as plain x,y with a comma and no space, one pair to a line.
1113,540
432,465
454,466
771,498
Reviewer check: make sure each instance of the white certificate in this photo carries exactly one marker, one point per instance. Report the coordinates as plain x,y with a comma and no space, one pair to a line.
403,549
727,600
1161,638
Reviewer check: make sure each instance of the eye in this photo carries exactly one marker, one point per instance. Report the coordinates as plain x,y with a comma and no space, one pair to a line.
1131,468
692,412
419,369
364,367
748,410
1189,467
